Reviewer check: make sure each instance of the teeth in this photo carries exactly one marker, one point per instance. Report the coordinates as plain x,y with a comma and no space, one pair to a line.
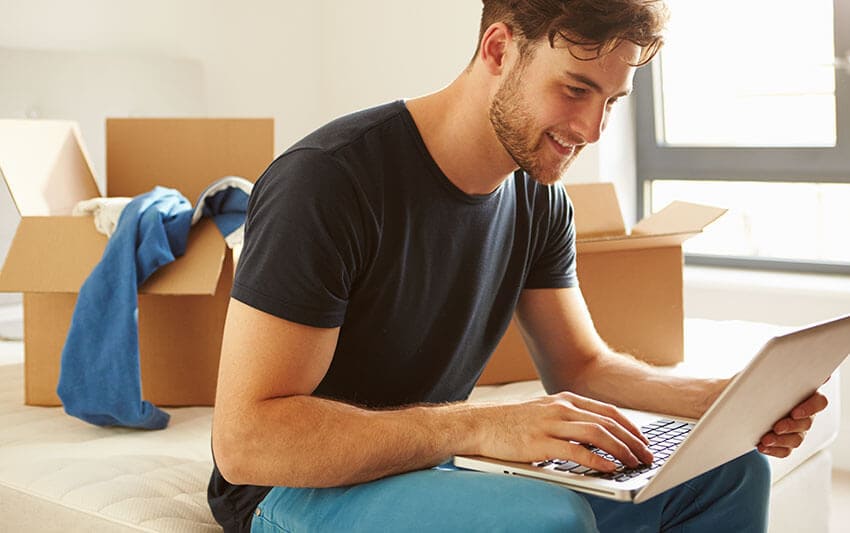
559,140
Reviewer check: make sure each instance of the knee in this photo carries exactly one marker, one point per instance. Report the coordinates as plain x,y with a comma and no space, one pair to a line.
755,469
751,475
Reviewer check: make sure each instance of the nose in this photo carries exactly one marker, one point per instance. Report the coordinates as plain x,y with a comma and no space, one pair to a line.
590,121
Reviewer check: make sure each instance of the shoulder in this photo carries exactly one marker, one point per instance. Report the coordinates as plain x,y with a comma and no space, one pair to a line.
344,153
360,127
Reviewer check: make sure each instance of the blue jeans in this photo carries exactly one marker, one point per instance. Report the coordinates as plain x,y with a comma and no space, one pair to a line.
732,497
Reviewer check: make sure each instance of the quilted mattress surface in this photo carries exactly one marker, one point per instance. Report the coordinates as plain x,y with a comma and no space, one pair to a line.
58,473
91,478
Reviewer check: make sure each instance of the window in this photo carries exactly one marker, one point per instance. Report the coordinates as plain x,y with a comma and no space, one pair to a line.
748,107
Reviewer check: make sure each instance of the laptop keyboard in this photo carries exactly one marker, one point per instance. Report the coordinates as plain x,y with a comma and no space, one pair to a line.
664,437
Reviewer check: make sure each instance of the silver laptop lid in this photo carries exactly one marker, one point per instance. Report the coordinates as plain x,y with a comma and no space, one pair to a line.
787,370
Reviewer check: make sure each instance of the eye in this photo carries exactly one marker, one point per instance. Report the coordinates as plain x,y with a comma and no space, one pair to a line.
576,92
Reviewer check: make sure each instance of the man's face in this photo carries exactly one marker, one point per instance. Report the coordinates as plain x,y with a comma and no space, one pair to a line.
550,105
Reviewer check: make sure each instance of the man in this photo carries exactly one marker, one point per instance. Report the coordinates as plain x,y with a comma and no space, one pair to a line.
385,255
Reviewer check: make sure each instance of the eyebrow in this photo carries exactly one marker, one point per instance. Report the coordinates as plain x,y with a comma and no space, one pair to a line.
592,84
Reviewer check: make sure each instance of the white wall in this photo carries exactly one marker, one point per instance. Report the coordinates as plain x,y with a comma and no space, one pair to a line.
260,57
381,50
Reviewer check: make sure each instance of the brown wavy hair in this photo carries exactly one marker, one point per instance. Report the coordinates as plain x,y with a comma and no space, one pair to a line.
596,26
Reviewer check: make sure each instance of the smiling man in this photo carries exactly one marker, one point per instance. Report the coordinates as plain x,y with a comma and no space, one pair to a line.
385,255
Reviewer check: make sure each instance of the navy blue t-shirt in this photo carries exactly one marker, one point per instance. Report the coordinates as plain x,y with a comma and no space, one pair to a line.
357,227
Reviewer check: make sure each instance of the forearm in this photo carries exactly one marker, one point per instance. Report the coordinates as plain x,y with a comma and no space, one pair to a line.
624,381
312,442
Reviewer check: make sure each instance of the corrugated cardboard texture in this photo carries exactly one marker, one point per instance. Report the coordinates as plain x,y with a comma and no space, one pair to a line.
47,318
179,337
45,166
182,306
678,217
196,272
632,242
185,154
57,254
597,211
52,254
632,283
635,301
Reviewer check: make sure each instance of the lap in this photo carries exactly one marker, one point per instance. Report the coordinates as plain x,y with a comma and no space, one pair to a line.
449,499
439,499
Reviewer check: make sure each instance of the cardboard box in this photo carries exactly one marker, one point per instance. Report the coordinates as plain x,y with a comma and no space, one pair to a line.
182,306
632,282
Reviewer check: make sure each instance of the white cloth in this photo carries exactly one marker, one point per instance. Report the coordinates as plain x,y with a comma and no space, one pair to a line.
235,237
106,212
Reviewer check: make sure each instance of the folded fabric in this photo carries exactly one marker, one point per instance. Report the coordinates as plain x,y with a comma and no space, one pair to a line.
106,212
100,379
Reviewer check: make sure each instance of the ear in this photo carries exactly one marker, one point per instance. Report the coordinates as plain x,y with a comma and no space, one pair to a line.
494,47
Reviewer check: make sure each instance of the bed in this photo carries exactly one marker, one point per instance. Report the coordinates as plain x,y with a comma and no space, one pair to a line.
58,473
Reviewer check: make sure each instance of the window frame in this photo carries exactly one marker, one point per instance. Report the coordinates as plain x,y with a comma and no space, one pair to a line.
657,161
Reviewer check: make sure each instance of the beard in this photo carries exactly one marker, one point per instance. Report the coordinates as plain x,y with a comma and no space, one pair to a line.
514,125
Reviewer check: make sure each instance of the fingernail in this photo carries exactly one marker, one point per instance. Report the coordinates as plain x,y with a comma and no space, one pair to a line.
798,413
770,441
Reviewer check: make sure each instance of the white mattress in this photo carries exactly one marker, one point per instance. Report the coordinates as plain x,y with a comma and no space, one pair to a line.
100,479
58,473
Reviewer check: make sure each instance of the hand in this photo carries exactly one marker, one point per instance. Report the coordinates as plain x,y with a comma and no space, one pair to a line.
556,427
789,432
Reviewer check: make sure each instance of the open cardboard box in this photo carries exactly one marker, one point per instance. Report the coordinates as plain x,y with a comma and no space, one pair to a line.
182,306
632,282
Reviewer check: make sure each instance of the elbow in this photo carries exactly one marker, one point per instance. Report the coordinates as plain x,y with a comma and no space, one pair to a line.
229,457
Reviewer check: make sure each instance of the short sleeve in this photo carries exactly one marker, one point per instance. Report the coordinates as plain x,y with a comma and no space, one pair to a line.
305,241
554,262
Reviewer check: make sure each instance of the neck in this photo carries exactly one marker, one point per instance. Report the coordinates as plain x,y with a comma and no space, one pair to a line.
455,126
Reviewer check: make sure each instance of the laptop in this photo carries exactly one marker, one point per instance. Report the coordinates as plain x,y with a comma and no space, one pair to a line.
786,371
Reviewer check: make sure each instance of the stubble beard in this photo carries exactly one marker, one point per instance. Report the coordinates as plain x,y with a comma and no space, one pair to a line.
515,128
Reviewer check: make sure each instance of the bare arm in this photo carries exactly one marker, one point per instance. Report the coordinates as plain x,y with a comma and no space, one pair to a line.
268,430
570,355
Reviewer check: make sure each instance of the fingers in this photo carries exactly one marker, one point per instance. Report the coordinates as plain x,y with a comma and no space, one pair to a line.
790,432
601,425
772,440
787,434
775,452
589,432
789,425
816,403
615,439
583,456
607,410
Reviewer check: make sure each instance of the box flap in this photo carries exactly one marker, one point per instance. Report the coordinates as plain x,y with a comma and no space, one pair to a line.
678,217
597,211
45,166
197,271
185,153
51,254
632,242
57,254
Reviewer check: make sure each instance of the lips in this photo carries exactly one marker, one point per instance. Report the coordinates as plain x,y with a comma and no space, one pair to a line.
560,145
